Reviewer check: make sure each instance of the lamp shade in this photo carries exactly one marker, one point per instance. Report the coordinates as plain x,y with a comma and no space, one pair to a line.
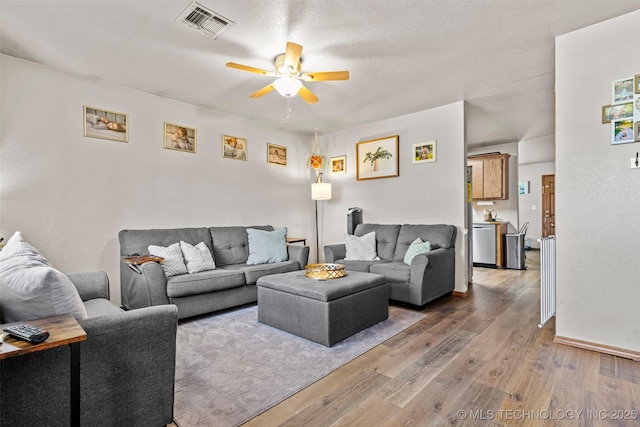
287,86
321,191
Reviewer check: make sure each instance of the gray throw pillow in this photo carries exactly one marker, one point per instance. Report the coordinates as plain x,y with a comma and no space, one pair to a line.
30,288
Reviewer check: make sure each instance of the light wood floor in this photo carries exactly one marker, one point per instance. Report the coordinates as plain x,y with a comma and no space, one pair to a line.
476,361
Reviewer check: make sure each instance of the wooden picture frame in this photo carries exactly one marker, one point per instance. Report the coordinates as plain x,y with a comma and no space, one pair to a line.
180,138
105,124
339,165
424,152
234,147
617,112
636,83
636,132
276,155
378,158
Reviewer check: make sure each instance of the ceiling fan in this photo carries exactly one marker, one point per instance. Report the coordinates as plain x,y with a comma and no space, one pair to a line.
289,81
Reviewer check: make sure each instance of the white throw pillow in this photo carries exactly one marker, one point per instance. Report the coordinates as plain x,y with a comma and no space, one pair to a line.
416,248
30,288
361,248
197,258
172,264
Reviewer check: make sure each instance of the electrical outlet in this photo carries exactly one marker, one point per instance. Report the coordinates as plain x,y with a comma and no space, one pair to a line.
633,163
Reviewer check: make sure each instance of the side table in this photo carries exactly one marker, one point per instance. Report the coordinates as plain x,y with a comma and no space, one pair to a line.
297,240
135,260
63,330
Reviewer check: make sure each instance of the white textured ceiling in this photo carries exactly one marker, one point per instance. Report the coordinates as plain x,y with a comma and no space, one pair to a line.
403,56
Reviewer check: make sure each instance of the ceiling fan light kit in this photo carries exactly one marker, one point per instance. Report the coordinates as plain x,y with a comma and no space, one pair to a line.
287,67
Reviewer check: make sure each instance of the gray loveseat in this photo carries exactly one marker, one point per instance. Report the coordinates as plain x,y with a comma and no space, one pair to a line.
232,283
429,276
127,368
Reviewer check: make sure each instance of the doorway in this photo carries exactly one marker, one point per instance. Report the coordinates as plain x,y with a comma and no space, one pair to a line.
548,205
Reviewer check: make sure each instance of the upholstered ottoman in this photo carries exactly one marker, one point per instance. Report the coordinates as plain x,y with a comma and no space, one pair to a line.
322,311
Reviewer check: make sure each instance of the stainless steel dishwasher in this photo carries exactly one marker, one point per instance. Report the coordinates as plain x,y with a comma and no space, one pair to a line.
484,244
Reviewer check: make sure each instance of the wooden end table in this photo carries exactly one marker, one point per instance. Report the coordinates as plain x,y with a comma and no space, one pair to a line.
135,260
297,240
63,330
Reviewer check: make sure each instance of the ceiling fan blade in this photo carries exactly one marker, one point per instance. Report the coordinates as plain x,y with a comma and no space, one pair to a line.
307,95
292,56
250,69
324,76
262,91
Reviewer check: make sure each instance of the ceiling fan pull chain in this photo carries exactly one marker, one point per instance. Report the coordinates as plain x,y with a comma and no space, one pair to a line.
288,106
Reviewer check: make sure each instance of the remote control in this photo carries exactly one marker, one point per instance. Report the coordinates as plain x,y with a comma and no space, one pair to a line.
28,333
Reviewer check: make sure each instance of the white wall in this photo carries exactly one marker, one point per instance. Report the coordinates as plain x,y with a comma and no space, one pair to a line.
530,205
429,193
597,194
70,195
506,210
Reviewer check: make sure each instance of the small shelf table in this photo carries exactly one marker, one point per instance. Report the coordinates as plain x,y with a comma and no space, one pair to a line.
63,330
297,240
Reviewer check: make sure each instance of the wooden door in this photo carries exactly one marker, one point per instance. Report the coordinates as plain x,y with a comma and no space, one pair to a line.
493,178
477,173
548,205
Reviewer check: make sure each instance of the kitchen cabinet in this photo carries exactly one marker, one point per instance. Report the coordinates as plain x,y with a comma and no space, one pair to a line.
489,176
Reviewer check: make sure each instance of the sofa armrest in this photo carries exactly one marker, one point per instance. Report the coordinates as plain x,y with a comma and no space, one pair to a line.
91,285
141,349
334,252
432,274
143,288
299,253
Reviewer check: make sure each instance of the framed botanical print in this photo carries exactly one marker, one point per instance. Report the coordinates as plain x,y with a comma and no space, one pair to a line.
378,158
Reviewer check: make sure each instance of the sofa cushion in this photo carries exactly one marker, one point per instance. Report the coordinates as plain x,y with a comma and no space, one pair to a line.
417,247
439,235
363,266
173,262
253,272
203,282
136,242
394,271
30,288
361,248
197,258
267,246
101,307
231,244
386,238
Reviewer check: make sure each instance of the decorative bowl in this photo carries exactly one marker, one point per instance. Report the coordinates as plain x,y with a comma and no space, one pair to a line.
325,271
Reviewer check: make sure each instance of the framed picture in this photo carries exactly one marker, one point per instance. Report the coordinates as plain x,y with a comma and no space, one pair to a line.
378,158
339,164
523,187
424,152
636,111
234,147
180,138
622,131
276,155
622,91
637,131
617,112
636,83
105,124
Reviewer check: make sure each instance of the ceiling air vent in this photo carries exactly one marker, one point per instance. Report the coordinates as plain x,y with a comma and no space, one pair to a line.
204,20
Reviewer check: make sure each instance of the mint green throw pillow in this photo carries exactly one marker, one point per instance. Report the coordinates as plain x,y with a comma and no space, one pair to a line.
267,246
416,248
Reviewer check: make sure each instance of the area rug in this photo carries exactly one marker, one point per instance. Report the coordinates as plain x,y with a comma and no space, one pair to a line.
230,367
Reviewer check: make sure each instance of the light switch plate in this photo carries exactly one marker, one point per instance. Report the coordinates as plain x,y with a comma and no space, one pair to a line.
633,163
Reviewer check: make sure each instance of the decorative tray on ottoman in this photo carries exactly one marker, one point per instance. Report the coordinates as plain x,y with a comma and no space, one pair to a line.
325,271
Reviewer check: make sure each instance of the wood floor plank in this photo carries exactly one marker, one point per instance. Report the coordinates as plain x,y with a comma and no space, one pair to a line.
476,354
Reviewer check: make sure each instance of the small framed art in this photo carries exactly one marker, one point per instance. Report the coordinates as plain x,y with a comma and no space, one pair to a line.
622,131
339,164
106,124
234,147
378,158
276,155
637,131
636,83
424,152
622,90
180,138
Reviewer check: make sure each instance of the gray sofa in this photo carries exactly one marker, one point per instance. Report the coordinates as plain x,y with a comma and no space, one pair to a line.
429,276
127,368
230,284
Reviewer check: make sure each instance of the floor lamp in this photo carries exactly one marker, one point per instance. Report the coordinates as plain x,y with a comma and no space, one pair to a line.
319,191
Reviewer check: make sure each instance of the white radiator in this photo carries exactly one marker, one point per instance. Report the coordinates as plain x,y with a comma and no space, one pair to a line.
547,279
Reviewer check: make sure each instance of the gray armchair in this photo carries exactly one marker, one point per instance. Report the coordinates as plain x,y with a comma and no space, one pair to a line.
127,368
